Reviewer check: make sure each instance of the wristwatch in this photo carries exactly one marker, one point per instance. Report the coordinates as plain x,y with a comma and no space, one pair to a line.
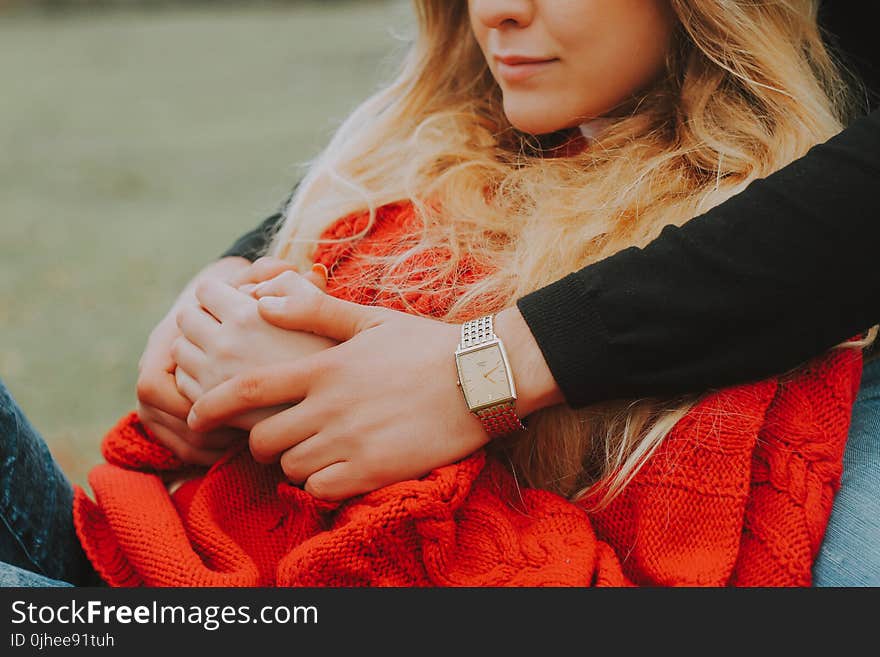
485,378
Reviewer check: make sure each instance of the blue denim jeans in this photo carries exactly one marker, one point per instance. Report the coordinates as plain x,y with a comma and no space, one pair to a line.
39,547
850,554
38,544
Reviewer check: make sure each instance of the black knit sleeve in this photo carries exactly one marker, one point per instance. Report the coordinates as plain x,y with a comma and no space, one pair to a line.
759,284
254,244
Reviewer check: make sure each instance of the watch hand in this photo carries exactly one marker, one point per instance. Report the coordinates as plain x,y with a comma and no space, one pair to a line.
492,370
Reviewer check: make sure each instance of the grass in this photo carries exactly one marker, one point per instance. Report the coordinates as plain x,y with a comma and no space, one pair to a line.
135,148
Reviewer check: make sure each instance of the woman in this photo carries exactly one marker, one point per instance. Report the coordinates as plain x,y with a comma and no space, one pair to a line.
679,135
661,301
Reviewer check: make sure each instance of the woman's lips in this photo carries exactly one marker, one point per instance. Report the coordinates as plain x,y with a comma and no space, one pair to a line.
516,69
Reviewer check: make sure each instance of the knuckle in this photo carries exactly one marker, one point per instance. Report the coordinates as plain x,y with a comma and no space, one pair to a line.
271,263
249,388
262,262
317,367
318,302
266,261
173,441
146,389
313,364
257,437
209,440
225,348
293,470
243,316
187,453
382,316
183,387
324,488
197,441
185,316
343,438
314,305
181,315
203,287
259,445
144,413
377,470
315,300
289,278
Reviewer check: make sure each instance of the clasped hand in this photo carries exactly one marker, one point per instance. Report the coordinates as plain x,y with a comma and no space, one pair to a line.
348,398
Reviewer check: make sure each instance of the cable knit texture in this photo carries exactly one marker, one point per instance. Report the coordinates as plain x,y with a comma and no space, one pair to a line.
738,494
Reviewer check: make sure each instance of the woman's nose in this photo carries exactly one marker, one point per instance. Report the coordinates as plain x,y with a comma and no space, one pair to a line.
497,13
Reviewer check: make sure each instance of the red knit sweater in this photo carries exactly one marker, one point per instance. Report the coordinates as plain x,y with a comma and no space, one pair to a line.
738,494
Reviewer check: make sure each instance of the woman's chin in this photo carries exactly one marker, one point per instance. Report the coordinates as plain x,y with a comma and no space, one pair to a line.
537,127
535,121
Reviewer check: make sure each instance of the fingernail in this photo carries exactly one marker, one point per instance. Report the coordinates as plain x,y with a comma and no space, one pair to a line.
191,418
320,268
249,288
274,304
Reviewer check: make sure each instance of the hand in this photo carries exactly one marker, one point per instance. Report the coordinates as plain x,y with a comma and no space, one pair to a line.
226,335
381,407
161,408
262,269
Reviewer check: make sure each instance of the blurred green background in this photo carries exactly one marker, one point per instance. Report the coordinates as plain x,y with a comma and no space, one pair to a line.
136,145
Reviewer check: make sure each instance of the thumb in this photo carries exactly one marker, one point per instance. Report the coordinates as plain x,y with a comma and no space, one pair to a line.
318,276
293,302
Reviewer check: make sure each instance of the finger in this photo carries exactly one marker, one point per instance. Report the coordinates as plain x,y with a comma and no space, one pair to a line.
197,326
286,283
156,356
220,299
263,269
248,288
291,302
157,423
308,457
249,420
218,439
187,385
280,432
158,390
337,481
259,388
188,356
318,276
184,450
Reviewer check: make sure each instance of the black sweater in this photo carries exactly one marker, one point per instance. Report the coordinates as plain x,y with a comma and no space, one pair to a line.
755,286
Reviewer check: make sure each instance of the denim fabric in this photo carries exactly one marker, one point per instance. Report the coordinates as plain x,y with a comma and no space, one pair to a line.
850,554
36,519
18,577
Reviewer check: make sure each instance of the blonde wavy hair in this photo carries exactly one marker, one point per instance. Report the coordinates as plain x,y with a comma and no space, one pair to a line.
749,87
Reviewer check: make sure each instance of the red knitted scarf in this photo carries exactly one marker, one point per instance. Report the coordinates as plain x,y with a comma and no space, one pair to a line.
738,494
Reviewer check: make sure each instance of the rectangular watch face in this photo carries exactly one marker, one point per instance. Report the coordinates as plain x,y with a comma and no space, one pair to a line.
483,376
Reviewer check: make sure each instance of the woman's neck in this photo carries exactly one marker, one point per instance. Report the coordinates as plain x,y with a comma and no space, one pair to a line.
569,141
591,129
